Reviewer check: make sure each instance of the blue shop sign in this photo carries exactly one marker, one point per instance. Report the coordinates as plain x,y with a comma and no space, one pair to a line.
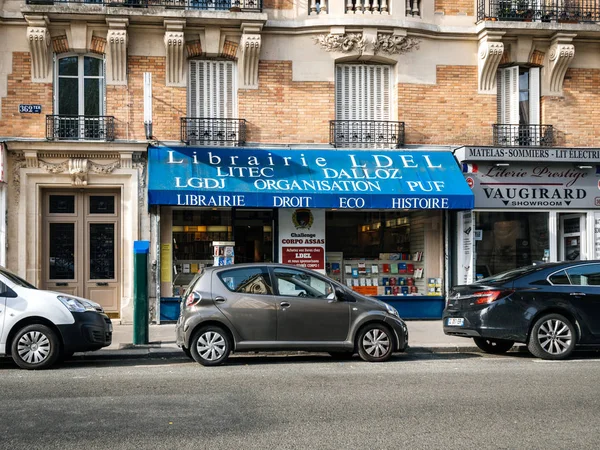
284,178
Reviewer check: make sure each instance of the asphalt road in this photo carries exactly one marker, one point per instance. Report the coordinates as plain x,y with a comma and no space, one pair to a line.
265,402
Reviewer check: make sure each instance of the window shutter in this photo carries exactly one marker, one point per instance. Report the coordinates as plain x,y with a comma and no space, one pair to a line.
193,90
362,92
103,86
513,94
534,96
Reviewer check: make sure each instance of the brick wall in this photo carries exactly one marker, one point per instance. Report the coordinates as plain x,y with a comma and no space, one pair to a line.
574,116
20,90
455,7
168,103
450,112
286,111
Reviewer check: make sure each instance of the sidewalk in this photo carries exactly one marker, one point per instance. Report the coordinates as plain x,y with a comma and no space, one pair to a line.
424,336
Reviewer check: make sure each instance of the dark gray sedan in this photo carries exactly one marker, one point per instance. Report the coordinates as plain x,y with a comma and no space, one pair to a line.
254,307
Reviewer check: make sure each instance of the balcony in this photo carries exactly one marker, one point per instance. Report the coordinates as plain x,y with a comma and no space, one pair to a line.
566,11
366,133
80,128
523,135
225,132
206,5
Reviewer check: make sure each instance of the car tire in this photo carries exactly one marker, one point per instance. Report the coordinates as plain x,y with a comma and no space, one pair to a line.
35,347
375,343
342,356
494,346
187,352
210,346
553,336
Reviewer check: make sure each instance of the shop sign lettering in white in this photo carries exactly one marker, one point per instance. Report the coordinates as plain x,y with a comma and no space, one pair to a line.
527,154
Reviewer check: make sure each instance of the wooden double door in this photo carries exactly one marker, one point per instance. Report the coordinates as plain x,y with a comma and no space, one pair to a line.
81,245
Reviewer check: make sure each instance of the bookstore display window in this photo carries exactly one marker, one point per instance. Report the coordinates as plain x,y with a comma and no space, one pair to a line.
193,234
507,240
386,253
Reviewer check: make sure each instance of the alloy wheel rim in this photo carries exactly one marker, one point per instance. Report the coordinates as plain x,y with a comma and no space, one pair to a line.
33,347
376,343
554,336
211,346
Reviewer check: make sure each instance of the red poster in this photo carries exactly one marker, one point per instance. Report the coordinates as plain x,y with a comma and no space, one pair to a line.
308,257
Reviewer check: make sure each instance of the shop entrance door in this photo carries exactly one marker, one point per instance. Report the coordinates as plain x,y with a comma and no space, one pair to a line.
571,244
253,235
81,245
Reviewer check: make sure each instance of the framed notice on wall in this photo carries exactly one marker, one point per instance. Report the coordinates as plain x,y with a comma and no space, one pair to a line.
302,238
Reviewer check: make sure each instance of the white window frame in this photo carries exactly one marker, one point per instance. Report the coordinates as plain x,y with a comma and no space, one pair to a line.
81,82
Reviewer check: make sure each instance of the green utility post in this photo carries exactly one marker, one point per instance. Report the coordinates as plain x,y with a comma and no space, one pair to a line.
140,292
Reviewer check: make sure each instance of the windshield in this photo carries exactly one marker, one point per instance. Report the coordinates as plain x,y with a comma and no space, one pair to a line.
15,279
509,274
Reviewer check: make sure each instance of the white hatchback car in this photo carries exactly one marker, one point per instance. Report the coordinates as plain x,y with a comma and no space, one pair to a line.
39,328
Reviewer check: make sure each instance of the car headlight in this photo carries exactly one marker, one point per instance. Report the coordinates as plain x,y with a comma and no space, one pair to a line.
74,305
392,310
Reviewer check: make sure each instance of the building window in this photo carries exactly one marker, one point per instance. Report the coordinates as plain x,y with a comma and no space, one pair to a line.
80,87
519,105
362,92
213,89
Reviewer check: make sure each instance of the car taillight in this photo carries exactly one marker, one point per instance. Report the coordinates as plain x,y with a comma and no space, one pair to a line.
485,297
193,299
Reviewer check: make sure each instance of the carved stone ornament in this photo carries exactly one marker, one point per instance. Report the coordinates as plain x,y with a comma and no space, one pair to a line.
392,44
174,46
491,50
78,168
39,42
116,38
250,46
344,43
562,52
18,163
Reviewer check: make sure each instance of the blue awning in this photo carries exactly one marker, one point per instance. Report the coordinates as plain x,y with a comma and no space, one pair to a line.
284,178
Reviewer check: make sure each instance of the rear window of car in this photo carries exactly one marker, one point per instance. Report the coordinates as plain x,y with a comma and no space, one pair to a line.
510,274
247,280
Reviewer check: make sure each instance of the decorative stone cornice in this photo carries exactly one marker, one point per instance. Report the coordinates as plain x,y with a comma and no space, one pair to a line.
250,44
174,45
78,168
38,38
490,53
394,44
116,73
561,53
343,43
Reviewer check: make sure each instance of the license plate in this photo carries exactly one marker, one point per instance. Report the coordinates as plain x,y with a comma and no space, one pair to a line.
456,322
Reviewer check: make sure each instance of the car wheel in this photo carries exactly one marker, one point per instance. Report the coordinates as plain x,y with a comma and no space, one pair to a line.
553,337
342,356
210,346
35,347
495,346
187,352
375,343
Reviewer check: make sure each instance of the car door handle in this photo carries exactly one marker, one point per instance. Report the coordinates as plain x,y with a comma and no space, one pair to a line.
284,304
220,299
577,293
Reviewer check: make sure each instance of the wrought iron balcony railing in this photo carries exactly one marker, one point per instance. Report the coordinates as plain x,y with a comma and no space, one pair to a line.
523,135
207,5
80,128
368,133
208,131
575,11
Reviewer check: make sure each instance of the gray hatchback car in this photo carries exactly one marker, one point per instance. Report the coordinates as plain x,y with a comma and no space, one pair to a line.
254,307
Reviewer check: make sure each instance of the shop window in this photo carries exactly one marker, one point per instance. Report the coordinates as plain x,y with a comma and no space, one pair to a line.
510,240
518,105
213,89
254,280
362,92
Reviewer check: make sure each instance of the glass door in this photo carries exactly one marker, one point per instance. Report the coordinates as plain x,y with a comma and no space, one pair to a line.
253,235
571,243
